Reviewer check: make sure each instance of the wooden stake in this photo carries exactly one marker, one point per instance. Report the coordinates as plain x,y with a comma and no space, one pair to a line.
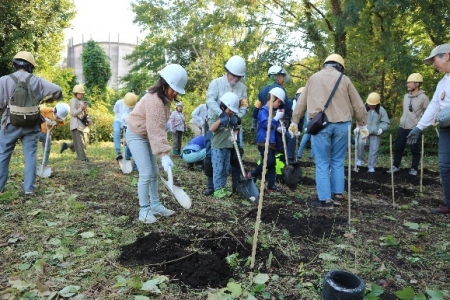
392,173
349,173
261,188
421,163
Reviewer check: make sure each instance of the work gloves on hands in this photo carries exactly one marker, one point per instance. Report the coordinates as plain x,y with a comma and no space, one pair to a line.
234,120
224,119
279,115
50,122
166,163
280,129
414,136
362,131
293,130
380,131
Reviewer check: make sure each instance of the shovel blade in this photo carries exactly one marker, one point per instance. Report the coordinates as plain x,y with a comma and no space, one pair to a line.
291,176
43,171
247,187
178,193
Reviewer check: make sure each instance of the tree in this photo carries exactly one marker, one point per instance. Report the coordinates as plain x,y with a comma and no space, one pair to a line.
96,67
35,26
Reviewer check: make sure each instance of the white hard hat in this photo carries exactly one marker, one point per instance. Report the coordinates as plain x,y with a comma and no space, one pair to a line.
236,66
275,70
279,93
179,103
231,100
176,76
62,110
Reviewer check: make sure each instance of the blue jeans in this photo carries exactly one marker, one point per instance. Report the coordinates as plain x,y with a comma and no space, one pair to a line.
271,163
330,146
147,164
444,161
8,140
117,128
42,139
221,165
305,139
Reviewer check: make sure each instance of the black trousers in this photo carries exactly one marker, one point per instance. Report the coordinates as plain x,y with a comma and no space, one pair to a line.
400,144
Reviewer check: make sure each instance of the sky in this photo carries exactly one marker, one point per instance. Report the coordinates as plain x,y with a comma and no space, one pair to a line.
103,20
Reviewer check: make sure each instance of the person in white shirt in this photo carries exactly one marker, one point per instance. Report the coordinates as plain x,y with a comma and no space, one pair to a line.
198,118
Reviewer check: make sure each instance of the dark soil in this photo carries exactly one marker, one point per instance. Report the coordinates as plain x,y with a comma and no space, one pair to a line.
197,257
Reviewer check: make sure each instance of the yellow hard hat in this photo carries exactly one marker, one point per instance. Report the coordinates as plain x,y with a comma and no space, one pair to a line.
78,89
373,99
336,58
415,77
27,56
130,100
300,90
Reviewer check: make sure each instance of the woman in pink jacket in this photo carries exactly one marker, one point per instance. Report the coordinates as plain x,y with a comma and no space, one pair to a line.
146,137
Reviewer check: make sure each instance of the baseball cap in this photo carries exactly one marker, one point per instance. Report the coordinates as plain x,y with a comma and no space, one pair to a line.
444,48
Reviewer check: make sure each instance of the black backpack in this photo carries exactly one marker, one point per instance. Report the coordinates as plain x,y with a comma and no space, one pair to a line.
23,105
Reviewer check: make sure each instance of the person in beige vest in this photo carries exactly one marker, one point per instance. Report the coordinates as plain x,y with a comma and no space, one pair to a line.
414,104
79,124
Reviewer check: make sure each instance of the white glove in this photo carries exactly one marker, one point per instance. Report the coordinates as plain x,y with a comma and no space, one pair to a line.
279,115
356,131
279,129
50,122
293,129
166,163
363,132
380,131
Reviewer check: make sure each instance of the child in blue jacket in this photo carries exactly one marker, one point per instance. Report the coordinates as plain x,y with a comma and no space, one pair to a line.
277,96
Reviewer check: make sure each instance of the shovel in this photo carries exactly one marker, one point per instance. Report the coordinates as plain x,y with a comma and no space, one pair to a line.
176,191
290,175
43,170
246,186
356,168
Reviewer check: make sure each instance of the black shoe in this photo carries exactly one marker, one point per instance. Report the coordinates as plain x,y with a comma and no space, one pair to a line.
63,147
328,204
119,156
208,192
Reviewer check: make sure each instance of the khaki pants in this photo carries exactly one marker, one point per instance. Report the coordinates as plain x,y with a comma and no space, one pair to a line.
79,142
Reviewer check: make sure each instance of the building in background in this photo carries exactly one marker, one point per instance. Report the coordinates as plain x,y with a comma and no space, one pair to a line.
115,50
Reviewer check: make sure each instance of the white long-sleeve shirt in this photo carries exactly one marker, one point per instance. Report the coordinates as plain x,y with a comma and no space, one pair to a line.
436,103
199,115
119,110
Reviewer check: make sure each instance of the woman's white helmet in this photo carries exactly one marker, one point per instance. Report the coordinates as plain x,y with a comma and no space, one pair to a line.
231,100
279,93
176,76
236,66
62,110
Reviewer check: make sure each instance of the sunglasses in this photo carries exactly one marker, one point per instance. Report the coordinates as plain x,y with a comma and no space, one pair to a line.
410,105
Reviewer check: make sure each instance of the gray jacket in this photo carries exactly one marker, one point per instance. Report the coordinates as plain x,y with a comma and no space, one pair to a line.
377,119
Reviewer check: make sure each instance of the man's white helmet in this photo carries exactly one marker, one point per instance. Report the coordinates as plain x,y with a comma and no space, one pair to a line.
231,100
236,66
279,93
275,70
176,76
62,110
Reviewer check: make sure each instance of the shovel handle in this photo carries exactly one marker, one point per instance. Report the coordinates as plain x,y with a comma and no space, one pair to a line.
236,148
170,179
283,138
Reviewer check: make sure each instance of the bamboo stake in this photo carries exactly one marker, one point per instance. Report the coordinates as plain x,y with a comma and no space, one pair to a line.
261,188
392,173
349,172
421,163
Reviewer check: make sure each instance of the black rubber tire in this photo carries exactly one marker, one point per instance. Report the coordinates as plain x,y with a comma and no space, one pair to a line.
342,285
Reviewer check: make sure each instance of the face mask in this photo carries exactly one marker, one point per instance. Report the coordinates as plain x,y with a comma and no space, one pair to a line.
233,82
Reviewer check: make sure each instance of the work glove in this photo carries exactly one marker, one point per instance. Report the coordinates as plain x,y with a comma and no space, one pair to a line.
363,132
413,136
234,120
380,131
50,122
166,163
279,115
280,129
293,129
224,119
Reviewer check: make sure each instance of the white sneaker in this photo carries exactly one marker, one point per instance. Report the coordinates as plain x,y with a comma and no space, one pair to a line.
359,163
413,172
162,210
371,170
146,215
393,170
